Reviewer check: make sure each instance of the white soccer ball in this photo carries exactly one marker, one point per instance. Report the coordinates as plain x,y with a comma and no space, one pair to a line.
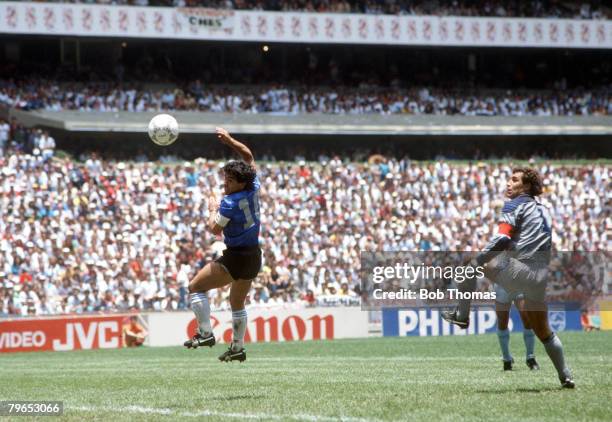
163,129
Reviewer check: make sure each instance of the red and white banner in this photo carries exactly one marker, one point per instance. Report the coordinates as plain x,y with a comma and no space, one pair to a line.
228,25
171,329
61,334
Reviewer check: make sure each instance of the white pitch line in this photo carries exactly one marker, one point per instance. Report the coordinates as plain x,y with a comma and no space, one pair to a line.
263,359
205,413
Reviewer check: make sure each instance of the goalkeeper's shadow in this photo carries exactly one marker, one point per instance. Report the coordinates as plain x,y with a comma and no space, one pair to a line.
512,390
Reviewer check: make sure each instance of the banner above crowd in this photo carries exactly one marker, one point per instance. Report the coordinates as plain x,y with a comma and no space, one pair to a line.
229,25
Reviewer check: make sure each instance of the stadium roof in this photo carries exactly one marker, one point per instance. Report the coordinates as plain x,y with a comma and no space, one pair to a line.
323,124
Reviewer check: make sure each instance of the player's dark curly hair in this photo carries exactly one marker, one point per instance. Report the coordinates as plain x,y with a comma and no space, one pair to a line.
532,179
242,172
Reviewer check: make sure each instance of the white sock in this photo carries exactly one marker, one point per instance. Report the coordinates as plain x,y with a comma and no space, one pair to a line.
239,324
201,309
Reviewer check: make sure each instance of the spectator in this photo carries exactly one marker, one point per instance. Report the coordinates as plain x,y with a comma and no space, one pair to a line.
46,145
4,135
134,334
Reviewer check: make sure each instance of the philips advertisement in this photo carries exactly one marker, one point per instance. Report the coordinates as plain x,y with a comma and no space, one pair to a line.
427,321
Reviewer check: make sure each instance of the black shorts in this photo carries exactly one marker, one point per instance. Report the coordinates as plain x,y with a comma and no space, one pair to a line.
243,262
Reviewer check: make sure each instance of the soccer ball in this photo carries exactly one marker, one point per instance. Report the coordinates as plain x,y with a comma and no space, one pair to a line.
163,129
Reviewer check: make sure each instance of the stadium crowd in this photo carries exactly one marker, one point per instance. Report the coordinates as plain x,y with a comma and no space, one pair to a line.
501,8
35,95
96,234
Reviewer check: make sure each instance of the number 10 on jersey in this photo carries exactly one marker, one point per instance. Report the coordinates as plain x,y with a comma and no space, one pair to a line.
246,209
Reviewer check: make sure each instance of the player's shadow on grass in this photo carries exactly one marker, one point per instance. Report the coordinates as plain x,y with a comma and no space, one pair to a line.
236,397
520,390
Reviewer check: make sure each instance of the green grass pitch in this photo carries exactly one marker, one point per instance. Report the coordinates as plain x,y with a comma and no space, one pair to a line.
431,379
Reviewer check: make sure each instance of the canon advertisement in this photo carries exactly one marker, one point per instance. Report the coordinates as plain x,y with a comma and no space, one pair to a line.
264,325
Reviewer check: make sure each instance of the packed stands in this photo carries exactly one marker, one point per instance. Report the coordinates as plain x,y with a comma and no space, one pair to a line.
33,95
96,234
499,8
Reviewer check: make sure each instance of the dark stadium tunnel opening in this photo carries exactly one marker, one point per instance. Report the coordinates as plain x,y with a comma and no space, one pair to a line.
130,146
217,63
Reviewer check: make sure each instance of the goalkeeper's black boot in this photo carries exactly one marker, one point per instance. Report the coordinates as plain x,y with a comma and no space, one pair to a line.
199,341
451,316
508,365
567,382
231,354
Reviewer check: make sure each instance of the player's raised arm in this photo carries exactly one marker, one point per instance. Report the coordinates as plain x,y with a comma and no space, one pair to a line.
500,242
213,217
244,152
